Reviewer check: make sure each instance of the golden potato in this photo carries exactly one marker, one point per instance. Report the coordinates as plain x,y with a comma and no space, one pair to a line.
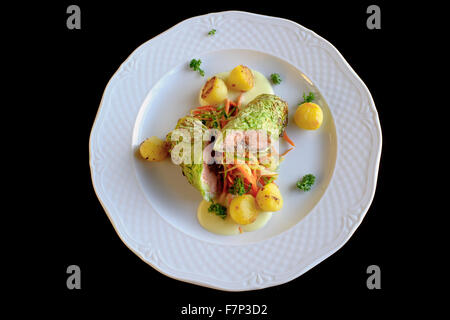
269,198
153,149
241,78
214,91
308,116
243,209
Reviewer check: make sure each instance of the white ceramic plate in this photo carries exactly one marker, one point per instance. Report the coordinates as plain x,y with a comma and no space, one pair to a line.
153,208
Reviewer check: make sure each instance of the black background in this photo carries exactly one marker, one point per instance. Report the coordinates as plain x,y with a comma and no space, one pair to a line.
78,65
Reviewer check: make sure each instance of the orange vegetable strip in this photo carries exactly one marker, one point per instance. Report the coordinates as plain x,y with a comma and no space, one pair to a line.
262,181
227,106
286,152
200,111
287,139
206,107
233,111
222,121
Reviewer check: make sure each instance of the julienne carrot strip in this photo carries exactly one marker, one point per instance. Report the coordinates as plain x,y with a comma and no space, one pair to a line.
255,176
286,152
200,114
206,107
227,106
287,139
262,180
240,229
200,111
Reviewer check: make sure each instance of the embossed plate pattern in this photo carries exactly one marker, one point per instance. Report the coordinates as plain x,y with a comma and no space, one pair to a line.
264,263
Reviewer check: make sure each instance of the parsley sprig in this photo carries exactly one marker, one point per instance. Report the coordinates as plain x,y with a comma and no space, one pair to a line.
306,182
276,78
238,187
212,32
308,98
218,209
195,65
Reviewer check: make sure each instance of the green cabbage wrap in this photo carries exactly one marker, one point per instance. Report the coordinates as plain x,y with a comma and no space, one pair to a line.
266,112
197,173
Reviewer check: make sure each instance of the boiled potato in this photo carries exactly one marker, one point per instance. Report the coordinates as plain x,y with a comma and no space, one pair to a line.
214,91
269,198
308,116
241,78
153,149
243,209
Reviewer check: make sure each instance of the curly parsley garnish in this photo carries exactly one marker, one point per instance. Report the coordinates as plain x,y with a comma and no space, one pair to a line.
218,209
276,78
212,32
238,187
308,98
306,182
195,65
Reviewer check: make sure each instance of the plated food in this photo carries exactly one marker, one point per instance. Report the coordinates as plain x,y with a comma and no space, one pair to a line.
227,147
152,207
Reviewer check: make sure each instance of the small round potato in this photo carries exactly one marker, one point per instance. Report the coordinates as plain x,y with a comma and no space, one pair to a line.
243,209
308,116
269,198
153,149
214,91
241,78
